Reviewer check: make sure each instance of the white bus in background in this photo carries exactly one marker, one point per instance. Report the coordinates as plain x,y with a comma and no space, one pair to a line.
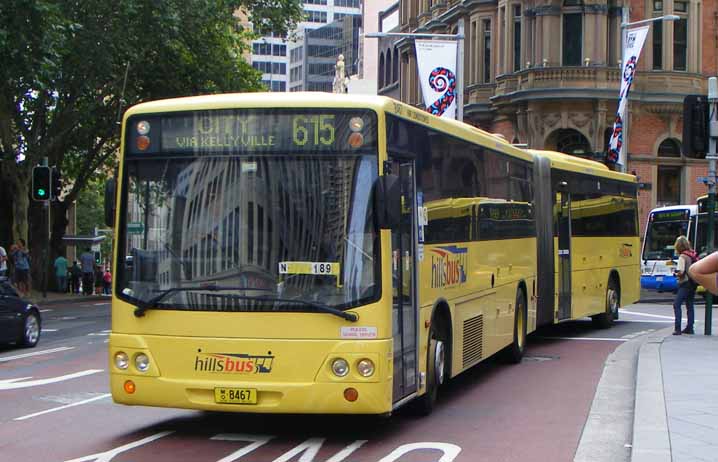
663,226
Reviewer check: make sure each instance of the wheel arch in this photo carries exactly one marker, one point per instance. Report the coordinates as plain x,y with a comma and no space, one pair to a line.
441,315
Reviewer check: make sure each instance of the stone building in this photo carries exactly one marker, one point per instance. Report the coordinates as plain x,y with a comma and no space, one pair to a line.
546,73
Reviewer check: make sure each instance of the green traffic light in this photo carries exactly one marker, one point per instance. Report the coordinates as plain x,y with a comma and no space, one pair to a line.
40,192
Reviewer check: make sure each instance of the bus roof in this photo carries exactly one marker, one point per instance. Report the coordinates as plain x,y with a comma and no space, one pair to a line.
323,100
691,207
577,164
379,104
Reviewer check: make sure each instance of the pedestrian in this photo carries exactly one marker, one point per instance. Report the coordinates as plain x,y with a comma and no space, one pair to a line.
98,279
75,275
3,263
686,286
106,282
705,272
21,259
61,273
87,264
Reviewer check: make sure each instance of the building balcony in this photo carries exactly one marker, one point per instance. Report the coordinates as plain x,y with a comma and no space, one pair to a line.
594,82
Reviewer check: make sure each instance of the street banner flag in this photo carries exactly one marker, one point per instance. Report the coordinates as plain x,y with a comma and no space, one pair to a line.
436,60
631,52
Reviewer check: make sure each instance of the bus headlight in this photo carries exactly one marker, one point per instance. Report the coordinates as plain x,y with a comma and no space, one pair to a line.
143,127
121,360
142,362
340,367
365,367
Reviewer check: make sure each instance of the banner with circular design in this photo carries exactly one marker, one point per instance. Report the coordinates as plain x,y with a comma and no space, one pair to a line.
436,60
631,51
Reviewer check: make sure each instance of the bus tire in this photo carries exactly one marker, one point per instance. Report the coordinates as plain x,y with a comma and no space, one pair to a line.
613,301
515,351
435,370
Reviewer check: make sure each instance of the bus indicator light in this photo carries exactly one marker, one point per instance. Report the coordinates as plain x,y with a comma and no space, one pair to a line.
356,140
143,142
351,394
129,387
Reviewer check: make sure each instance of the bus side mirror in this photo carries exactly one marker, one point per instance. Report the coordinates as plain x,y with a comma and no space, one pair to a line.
110,202
387,202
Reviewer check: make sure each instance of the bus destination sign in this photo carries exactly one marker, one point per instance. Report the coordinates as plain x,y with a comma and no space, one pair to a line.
670,215
236,131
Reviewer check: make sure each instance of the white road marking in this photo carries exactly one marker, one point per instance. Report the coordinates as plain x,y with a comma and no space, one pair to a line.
655,316
49,330
78,403
667,321
108,455
102,333
100,304
648,315
35,353
600,339
12,384
46,310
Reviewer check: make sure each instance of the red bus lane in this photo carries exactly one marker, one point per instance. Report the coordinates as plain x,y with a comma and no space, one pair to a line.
531,411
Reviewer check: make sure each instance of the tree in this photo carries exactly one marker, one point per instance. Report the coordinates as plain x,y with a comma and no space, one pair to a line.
71,67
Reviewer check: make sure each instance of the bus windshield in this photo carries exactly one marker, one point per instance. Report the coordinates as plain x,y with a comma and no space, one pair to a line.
702,234
660,237
285,226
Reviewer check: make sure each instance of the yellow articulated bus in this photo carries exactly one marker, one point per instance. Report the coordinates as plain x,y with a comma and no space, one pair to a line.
321,253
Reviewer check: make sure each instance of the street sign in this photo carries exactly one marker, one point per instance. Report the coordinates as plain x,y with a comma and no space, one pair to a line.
135,228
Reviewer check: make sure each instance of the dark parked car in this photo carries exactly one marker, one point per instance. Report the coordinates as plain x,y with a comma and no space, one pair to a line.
20,320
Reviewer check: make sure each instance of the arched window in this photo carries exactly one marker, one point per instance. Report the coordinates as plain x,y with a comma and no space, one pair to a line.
569,141
395,64
387,68
381,70
669,148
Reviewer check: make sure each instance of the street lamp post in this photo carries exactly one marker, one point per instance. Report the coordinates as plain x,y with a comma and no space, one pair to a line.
459,58
625,25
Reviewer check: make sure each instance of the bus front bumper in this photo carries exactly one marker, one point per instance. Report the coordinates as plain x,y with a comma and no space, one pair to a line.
279,398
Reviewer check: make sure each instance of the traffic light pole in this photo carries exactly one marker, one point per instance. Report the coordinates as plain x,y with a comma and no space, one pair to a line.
711,156
46,251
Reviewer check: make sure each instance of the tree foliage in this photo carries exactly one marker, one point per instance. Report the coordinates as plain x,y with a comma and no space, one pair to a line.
69,69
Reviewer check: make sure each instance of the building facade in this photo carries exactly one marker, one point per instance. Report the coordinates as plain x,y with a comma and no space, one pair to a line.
277,57
547,73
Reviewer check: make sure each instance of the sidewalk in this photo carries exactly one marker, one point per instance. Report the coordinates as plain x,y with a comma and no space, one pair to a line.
56,298
676,406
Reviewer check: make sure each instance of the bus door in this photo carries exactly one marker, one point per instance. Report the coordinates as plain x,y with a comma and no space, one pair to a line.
404,307
564,255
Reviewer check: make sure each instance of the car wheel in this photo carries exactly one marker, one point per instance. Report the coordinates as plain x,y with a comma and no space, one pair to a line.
30,334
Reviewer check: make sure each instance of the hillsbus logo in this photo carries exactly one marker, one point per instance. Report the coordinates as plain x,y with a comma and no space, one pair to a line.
448,266
233,363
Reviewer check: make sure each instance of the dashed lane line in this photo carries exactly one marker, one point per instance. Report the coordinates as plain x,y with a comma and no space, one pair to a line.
60,408
34,353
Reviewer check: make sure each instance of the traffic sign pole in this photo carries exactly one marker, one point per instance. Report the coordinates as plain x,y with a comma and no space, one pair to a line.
711,156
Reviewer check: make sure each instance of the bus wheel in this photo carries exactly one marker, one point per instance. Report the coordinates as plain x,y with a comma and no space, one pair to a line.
516,350
435,370
613,297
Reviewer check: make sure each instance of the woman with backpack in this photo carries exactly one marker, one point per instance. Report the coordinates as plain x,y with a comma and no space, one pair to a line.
686,287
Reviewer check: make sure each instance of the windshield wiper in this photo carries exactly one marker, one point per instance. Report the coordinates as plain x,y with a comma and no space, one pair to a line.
349,316
143,305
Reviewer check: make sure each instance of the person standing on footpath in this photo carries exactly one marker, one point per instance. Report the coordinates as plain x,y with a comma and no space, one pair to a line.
686,287
75,275
87,263
3,262
61,273
21,258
